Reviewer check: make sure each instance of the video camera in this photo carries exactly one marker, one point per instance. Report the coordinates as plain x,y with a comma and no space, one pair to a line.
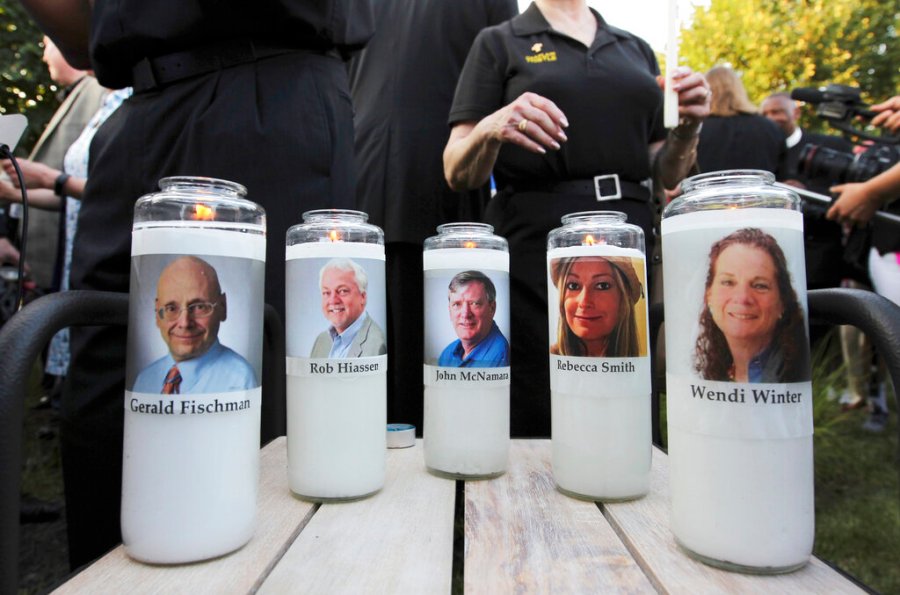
840,105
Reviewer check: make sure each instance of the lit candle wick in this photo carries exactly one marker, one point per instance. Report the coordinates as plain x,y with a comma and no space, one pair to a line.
333,236
470,244
589,240
203,212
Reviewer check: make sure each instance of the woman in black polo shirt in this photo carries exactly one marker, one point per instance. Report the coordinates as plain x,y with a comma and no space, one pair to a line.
566,111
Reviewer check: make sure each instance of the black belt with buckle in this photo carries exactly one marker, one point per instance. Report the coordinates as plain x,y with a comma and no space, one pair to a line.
153,73
605,187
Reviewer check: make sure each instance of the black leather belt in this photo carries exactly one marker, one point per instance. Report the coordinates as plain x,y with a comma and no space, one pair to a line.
152,73
605,187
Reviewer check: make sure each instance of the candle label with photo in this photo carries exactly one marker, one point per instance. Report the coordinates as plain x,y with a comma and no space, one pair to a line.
598,330
195,320
466,318
336,317
735,286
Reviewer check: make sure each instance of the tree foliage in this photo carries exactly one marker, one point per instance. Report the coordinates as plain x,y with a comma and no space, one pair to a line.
779,45
25,85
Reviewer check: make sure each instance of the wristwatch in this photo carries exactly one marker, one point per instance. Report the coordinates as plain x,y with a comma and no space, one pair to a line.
59,187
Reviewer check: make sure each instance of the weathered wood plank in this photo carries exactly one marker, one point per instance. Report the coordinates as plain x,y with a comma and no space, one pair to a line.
279,518
524,536
397,541
644,526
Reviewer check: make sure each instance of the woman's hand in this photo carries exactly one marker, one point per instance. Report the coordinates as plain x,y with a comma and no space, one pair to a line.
855,204
36,175
532,122
694,97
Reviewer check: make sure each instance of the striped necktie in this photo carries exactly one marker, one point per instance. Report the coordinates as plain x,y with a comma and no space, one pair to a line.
172,382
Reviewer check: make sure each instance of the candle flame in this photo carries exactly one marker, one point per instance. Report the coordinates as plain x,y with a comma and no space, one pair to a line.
334,236
470,244
203,213
589,240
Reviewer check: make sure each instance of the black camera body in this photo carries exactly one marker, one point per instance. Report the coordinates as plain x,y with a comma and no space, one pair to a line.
840,105
818,161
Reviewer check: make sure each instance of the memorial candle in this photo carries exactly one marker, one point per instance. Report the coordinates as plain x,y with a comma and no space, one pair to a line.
599,357
336,356
738,390
466,371
192,404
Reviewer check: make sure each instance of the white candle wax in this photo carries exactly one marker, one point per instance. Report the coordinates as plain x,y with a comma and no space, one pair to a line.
190,465
600,406
336,406
601,447
740,453
466,419
759,511
466,431
189,482
336,436
670,96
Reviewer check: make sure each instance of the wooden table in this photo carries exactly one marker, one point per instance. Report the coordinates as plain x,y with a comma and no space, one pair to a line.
521,536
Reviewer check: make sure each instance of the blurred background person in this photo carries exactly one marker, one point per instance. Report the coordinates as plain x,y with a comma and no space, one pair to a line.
60,190
566,111
735,136
402,86
79,95
856,204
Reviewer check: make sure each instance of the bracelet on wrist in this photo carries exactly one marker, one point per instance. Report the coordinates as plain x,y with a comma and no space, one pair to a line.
680,136
59,186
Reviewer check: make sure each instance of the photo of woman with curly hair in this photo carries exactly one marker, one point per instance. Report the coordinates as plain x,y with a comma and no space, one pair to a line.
752,327
597,296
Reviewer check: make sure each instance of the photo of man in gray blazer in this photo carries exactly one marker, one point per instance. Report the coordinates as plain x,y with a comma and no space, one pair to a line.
352,333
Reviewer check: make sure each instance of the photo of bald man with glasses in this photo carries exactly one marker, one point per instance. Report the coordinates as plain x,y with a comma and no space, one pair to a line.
189,307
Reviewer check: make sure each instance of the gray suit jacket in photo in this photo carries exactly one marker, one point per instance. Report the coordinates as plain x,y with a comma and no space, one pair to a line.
368,342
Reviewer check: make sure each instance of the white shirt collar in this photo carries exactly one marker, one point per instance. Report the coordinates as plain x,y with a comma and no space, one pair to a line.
794,138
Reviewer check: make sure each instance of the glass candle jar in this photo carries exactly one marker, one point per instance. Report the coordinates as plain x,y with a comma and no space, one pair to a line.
466,372
193,371
599,357
738,390
336,356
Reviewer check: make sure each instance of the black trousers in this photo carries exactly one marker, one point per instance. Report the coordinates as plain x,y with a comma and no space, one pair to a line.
406,334
525,219
283,128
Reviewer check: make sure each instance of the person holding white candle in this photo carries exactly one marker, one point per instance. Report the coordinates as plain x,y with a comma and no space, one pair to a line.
565,110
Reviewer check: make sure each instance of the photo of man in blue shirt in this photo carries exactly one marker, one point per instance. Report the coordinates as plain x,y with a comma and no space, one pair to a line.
472,304
189,307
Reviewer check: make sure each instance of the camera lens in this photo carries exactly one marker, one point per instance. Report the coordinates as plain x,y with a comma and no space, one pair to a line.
817,161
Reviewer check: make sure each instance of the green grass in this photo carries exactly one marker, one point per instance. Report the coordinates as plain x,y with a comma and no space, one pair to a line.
857,483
